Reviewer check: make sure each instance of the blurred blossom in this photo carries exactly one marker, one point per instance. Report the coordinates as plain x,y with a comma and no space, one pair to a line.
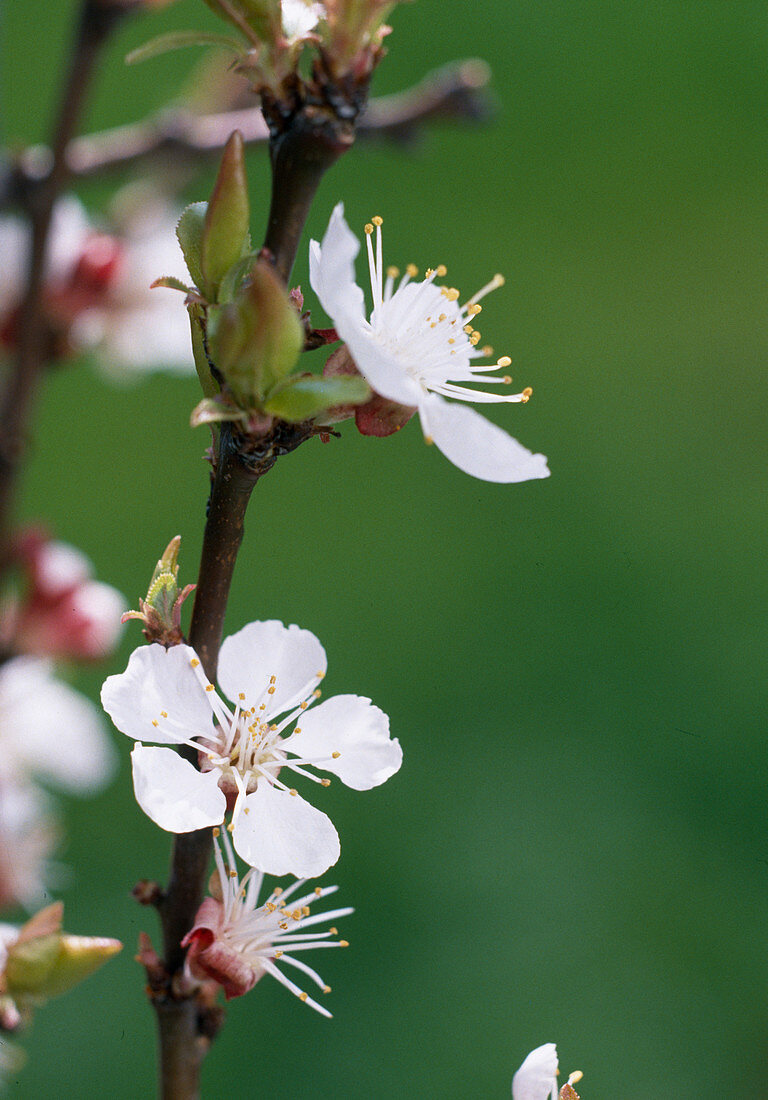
414,349
537,1077
272,671
98,294
49,731
300,17
28,836
235,941
65,613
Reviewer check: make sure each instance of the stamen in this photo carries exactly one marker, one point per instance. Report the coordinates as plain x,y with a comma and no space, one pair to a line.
495,283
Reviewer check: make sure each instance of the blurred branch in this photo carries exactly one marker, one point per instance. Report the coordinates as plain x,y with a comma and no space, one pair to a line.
456,91
95,23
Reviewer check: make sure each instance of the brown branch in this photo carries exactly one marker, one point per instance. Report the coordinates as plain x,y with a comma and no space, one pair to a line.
96,21
456,91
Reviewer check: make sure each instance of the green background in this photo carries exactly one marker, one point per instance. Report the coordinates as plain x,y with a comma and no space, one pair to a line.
575,849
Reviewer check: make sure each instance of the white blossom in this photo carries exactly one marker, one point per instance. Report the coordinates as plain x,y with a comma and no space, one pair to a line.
300,17
271,674
537,1077
418,348
236,941
49,731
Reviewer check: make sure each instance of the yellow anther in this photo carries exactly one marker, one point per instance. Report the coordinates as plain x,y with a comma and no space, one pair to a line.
232,874
325,782
246,810
441,317
499,280
377,220
262,707
451,341
527,394
293,792
297,730
209,687
475,338
216,831
231,827
273,727
241,695
428,438
155,722
277,892
343,943
505,361
468,329
335,755
321,675
305,910
163,713
270,908
316,693
303,996
318,890
296,914
507,379
412,271
441,271
303,706
271,690
368,228
428,272
450,292
474,309
278,954
283,925
393,272
487,350
334,931
575,1077
433,325
194,662
326,989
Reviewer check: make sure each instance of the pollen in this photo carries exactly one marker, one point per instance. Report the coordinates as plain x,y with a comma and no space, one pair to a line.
194,662
335,755
321,675
487,351
271,690
163,713
293,792
296,914
326,989
441,271
334,931
527,393
474,309
297,730
283,925
343,943
241,696
474,338
325,782
412,271
209,687
216,831
368,228
507,379
505,361
231,827
450,292
155,722
318,890
393,272
377,221
303,706
303,996
305,911
316,694
278,954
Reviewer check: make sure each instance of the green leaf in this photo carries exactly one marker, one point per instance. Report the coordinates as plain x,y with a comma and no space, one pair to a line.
190,235
304,397
208,383
211,410
172,283
225,235
177,40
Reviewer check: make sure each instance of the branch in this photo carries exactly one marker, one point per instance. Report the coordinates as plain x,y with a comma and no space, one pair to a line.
456,91
94,27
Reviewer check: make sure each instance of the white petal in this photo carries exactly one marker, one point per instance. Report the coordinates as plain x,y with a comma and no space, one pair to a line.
51,730
358,731
332,270
252,656
281,834
156,680
174,793
477,446
537,1077
382,369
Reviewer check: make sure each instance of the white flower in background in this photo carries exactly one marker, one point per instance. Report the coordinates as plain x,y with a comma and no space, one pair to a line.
537,1077
28,837
97,293
271,673
49,731
235,940
300,17
417,349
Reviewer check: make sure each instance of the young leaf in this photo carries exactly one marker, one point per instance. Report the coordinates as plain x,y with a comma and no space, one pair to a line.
226,219
303,397
190,234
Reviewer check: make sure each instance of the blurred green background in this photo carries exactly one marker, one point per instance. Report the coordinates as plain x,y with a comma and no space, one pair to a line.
575,849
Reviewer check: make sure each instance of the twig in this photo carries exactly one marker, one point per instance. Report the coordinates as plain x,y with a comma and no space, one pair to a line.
455,91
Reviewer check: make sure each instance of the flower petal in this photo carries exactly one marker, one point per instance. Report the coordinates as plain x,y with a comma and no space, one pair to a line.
51,730
351,726
381,368
537,1077
174,793
332,270
158,680
260,651
281,834
477,446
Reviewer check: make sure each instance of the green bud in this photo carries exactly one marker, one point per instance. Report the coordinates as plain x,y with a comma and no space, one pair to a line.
225,233
308,396
44,961
255,340
161,610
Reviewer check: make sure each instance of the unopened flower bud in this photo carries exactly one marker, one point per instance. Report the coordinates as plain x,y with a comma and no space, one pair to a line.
42,961
225,232
255,340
